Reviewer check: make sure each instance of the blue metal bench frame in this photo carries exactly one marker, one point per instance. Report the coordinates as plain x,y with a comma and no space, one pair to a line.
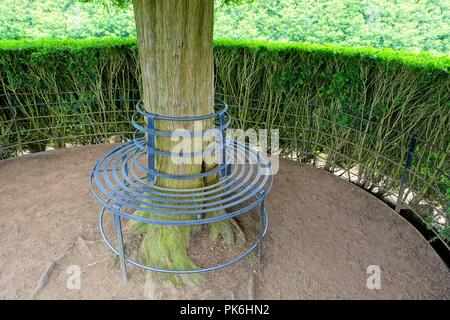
121,183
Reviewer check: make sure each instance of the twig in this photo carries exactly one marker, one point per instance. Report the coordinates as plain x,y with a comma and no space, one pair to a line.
83,243
43,279
96,262
251,287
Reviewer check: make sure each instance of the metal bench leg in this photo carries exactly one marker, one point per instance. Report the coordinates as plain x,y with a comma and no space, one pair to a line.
261,230
118,227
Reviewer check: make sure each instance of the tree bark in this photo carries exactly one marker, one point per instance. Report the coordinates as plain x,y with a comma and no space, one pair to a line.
175,41
175,54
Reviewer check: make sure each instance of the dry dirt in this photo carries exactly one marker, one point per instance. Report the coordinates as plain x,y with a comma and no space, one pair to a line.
323,235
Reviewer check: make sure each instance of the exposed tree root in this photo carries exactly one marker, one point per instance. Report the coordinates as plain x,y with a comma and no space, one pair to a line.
229,230
166,247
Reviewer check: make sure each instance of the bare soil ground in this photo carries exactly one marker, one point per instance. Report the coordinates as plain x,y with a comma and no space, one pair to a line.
323,235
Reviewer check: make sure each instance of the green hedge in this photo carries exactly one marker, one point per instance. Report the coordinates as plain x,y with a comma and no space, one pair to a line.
77,64
368,103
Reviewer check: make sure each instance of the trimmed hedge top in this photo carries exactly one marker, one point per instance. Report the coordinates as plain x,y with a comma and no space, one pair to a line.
420,60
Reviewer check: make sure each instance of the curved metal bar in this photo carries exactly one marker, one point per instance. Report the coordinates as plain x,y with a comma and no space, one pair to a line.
124,198
200,210
204,195
206,190
172,118
197,133
199,270
154,151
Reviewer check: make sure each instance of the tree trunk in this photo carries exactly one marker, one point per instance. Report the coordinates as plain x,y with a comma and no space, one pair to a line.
175,41
175,50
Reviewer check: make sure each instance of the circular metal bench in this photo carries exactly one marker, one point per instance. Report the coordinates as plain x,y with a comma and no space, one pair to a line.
123,181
